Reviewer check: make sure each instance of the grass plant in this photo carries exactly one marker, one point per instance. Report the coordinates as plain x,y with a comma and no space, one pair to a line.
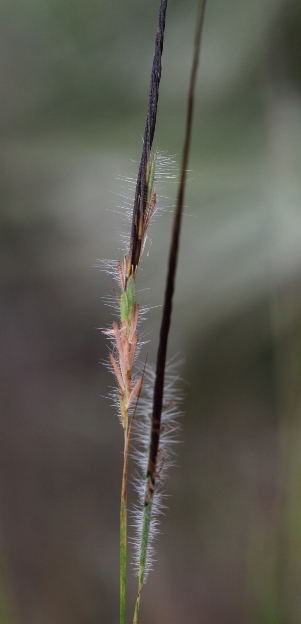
147,399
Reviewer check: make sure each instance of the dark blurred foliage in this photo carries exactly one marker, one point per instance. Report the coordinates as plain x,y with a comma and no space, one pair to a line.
74,80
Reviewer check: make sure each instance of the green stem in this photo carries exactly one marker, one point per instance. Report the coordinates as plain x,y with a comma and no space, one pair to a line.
137,605
123,534
123,517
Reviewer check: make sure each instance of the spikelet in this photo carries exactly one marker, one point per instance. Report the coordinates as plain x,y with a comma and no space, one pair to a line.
166,456
164,169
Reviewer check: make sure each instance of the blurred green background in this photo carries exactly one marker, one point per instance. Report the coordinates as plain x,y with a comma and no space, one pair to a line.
74,86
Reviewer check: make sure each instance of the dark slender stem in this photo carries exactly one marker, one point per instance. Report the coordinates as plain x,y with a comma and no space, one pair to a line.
141,187
172,265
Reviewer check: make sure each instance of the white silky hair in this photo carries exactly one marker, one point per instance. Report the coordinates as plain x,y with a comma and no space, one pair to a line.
171,413
166,169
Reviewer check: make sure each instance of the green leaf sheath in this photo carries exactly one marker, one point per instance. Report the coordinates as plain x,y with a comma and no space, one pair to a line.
151,178
124,308
130,293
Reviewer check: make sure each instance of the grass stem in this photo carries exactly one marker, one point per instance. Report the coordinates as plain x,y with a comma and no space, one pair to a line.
123,534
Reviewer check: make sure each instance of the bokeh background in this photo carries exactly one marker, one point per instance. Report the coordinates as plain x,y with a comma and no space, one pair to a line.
74,78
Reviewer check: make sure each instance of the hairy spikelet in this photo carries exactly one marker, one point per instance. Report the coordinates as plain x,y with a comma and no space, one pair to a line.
166,454
166,170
